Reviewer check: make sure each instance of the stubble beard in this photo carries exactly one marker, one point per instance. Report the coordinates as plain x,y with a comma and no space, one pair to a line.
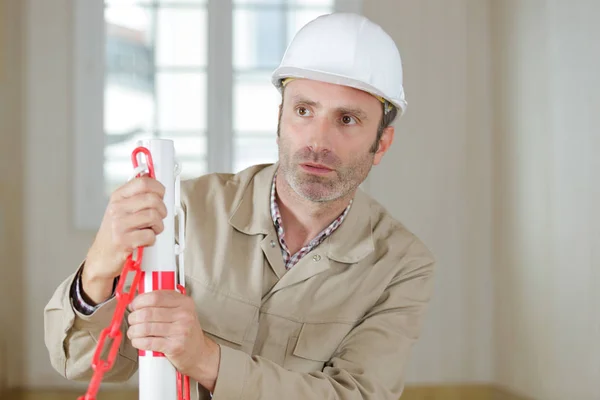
321,189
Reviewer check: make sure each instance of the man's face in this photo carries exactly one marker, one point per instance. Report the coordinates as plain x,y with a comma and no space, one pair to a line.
325,134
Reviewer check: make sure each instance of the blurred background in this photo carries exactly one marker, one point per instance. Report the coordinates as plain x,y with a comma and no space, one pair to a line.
495,165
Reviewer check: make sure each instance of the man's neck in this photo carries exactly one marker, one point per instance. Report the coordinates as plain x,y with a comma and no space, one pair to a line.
302,218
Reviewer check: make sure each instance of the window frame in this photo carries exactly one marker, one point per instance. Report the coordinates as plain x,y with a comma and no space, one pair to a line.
89,199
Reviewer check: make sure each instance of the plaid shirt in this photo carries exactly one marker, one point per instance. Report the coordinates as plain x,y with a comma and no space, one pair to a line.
291,259
81,301
84,307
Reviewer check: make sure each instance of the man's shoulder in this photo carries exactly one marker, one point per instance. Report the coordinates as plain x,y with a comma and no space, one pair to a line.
225,188
393,237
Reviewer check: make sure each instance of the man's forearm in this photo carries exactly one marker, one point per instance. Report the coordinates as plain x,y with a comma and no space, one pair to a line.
207,369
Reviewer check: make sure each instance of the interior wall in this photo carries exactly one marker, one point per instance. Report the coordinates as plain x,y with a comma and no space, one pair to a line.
48,188
11,194
436,178
546,196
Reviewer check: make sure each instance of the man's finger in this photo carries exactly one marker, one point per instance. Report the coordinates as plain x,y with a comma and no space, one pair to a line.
151,344
143,201
144,184
149,329
152,314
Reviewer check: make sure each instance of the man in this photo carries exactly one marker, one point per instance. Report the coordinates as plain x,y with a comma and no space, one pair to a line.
300,285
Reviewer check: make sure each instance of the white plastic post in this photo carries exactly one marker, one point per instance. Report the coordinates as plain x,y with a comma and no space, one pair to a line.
157,376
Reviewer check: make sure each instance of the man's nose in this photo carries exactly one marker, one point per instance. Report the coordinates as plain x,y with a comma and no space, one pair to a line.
319,138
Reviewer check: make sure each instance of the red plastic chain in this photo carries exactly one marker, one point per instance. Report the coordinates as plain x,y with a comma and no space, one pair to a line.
183,382
113,331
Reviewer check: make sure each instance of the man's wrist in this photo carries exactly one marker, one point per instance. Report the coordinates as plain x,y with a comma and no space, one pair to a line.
96,290
207,370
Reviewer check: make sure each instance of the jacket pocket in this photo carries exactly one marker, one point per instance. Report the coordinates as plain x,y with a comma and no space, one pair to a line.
224,319
315,345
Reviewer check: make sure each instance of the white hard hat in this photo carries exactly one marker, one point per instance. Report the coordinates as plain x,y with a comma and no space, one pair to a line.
345,49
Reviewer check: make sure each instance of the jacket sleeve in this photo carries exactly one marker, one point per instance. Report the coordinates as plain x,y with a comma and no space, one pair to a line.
71,337
369,364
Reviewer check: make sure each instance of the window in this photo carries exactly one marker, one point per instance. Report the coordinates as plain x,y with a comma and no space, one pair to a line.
195,71
155,82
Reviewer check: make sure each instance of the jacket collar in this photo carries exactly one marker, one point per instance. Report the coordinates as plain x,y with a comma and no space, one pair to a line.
350,243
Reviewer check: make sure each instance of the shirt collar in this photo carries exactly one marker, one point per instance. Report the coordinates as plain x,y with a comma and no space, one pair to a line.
291,259
251,189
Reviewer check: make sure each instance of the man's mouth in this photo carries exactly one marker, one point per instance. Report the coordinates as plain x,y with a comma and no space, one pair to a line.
316,168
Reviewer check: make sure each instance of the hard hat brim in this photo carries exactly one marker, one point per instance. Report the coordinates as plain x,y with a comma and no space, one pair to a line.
302,73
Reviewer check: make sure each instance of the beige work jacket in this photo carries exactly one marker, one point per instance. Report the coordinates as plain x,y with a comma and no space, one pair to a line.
338,325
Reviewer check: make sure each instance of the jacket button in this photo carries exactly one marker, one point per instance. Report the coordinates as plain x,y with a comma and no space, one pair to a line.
316,257
272,243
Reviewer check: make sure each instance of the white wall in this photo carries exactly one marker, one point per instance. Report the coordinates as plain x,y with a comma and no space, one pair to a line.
547,197
54,247
436,177
11,193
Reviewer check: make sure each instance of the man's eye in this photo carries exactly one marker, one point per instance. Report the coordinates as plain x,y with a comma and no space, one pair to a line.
348,120
302,111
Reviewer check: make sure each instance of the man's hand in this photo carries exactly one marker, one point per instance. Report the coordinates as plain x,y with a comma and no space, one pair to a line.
166,321
133,218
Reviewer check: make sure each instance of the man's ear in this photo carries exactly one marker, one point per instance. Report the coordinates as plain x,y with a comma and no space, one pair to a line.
385,141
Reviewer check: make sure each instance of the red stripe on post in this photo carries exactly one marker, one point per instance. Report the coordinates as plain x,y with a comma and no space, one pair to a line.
163,280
